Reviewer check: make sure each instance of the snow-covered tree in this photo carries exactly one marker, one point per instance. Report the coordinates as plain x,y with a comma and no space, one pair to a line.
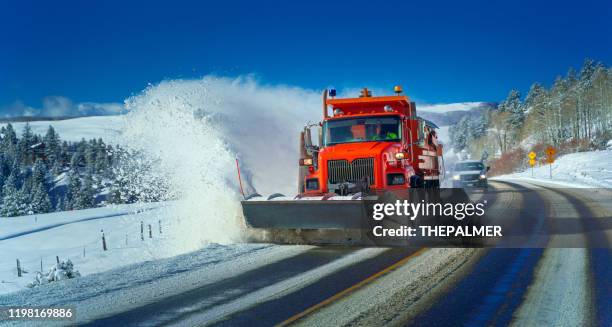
52,145
87,195
14,201
40,202
25,144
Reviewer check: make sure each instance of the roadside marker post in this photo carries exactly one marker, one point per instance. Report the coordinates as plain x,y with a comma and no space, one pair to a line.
103,241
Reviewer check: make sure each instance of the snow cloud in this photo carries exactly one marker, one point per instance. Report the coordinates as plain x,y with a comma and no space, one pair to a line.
193,130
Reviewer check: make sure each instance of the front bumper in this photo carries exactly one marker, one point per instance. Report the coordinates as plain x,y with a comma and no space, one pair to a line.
470,183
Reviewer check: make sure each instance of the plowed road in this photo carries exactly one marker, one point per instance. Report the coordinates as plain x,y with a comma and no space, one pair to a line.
330,286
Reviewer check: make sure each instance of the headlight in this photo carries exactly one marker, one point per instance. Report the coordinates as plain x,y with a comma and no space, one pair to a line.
312,184
456,177
483,176
306,162
399,155
396,179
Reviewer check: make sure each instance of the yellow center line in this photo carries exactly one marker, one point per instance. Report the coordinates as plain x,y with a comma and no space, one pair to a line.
343,293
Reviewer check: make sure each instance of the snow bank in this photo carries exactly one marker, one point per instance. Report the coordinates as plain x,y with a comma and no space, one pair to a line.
58,272
592,168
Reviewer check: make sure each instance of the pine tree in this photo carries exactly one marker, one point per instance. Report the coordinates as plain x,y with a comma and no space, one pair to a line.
9,142
39,172
86,196
52,145
478,126
14,201
40,202
65,153
25,145
74,187
77,160
512,104
90,156
56,169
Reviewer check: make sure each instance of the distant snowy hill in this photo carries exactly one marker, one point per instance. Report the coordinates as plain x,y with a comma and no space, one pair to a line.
74,129
109,127
448,107
451,113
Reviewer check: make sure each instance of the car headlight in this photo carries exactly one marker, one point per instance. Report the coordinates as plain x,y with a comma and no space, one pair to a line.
483,176
456,177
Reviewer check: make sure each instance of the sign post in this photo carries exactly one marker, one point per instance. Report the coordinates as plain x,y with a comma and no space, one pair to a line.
550,153
532,161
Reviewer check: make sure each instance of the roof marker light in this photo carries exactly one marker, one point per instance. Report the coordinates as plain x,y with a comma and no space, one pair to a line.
338,112
397,89
388,108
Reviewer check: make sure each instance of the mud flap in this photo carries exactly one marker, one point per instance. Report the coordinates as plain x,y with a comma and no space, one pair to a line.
305,214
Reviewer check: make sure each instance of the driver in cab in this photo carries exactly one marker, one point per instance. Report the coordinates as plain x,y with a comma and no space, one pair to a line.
383,133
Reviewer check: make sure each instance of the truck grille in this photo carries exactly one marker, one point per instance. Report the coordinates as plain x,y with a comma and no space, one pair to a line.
339,171
471,177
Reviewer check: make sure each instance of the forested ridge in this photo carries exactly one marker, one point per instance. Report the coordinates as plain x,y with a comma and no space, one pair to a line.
573,114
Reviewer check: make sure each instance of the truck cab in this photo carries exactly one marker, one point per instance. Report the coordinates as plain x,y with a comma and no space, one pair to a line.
368,144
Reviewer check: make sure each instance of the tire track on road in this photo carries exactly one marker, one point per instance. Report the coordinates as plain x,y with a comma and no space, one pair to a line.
599,251
494,288
184,305
560,293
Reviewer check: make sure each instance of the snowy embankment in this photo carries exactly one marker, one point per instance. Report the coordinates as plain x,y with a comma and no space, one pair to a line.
583,169
76,235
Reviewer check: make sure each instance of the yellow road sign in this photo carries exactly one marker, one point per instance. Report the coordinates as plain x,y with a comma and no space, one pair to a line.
532,155
532,162
550,152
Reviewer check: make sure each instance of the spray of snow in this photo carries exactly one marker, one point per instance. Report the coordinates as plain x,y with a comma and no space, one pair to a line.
189,133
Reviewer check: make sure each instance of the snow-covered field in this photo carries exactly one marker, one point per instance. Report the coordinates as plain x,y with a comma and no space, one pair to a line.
583,169
76,235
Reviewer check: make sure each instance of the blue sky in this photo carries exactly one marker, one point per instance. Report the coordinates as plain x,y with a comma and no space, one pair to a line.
440,52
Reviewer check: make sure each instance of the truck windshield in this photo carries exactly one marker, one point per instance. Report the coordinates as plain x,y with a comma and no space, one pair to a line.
463,166
366,129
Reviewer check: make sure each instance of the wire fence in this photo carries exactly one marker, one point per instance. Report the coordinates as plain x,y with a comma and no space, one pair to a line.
103,243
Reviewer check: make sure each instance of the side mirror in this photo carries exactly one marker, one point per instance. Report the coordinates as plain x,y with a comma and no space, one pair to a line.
488,168
320,132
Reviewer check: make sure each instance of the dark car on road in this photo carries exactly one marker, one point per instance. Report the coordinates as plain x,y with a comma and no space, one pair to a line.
470,173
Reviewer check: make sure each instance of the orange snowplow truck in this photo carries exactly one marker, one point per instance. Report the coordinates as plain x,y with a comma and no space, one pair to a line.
367,146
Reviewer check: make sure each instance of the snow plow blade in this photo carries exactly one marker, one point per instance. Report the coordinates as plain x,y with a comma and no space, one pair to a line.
301,214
